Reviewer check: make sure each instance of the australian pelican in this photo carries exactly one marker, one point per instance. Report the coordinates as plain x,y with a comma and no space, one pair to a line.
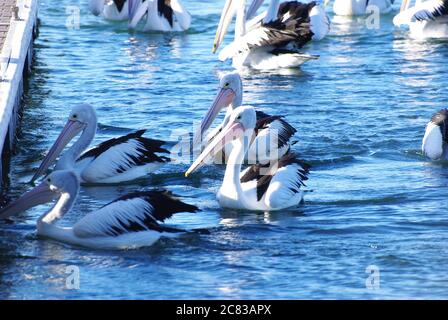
272,135
359,7
274,39
435,141
131,221
161,15
117,10
426,19
116,160
273,186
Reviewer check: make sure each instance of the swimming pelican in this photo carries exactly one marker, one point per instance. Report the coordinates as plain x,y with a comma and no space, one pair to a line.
131,221
161,15
116,160
275,41
426,19
269,187
272,135
359,7
434,144
116,10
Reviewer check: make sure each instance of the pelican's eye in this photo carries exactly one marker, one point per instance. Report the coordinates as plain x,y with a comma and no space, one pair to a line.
75,116
227,85
238,118
48,180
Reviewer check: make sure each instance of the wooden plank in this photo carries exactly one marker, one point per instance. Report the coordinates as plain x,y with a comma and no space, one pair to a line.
5,18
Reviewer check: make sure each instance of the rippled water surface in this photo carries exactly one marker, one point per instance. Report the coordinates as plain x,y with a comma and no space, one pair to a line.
360,111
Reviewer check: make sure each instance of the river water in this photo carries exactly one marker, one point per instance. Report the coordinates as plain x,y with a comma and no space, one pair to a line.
373,202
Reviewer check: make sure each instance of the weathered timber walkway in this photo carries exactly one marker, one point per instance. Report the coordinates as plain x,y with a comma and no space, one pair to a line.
18,27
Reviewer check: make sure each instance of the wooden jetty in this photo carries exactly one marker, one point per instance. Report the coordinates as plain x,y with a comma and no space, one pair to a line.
18,28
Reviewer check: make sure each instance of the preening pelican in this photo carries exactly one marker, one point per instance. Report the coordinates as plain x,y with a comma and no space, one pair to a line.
116,10
426,19
161,15
131,221
269,187
272,135
435,141
275,39
116,160
359,7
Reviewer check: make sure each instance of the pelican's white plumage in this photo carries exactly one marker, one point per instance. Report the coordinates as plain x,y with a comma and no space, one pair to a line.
265,187
274,39
426,19
116,160
359,7
131,221
159,15
434,144
115,10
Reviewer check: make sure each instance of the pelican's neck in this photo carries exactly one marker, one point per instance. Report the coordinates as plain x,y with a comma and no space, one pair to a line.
62,206
68,159
272,12
235,160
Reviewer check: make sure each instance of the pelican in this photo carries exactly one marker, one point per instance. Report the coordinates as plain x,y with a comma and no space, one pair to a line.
274,39
359,7
269,187
161,15
131,221
116,10
116,160
272,135
426,19
435,141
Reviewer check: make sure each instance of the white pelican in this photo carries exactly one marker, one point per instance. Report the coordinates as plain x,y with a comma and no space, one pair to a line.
161,15
274,41
272,135
131,221
426,19
435,141
116,10
359,7
116,160
270,187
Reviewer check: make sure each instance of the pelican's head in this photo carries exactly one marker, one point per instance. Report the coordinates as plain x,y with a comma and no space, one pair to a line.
436,135
80,118
230,93
241,123
52,187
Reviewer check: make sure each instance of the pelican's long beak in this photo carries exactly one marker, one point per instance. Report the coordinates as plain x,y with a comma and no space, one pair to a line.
39,195
252,10
222,100
226,18
404,5
71,130
232,131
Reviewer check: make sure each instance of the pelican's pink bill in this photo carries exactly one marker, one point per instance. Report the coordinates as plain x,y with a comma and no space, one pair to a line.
39,195
228,134
71,130
222,100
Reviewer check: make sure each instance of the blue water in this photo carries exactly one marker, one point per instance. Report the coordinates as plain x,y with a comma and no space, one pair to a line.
360,111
